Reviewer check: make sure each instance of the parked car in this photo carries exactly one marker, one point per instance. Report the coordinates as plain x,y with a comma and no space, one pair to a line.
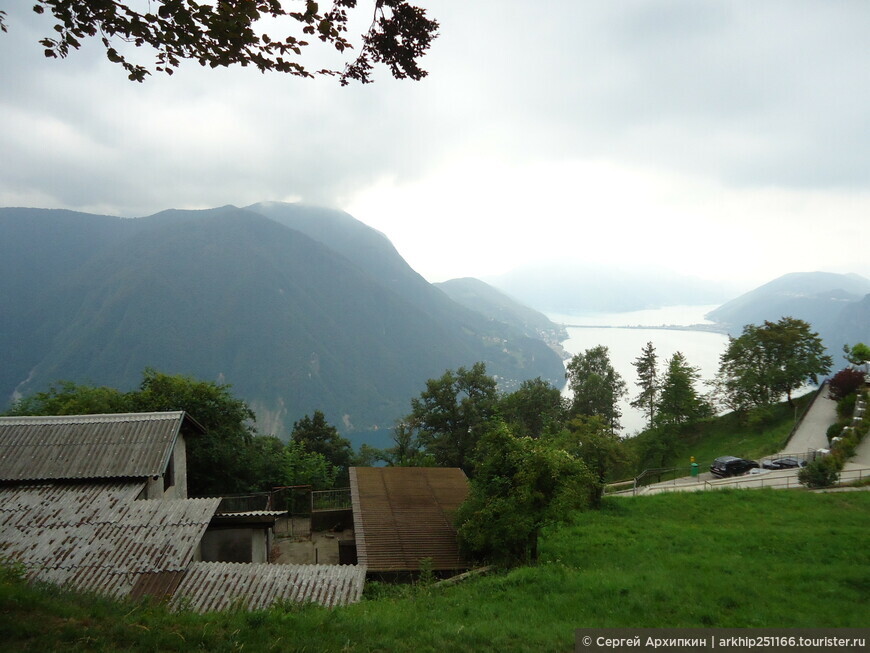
783,463
731,466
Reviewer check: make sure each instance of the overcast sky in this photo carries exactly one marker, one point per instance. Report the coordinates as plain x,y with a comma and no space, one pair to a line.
728,140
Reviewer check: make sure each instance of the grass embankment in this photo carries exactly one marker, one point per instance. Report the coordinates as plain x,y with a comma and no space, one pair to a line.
731,559
726,435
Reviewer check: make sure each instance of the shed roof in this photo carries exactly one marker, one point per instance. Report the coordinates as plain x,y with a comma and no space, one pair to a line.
95,536
127,445
404,514
209,586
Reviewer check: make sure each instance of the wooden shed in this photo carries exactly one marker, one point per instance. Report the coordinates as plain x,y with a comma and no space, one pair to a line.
402,515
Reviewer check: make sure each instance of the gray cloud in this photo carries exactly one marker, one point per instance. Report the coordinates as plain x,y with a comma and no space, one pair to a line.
750,94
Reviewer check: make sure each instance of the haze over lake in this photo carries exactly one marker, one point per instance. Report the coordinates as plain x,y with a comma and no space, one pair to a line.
701,348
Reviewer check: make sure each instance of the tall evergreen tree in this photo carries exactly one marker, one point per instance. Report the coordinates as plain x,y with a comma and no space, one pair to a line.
648,382
679,401
318,436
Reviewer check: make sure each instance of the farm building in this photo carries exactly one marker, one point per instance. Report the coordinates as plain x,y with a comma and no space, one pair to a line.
99,502
402,515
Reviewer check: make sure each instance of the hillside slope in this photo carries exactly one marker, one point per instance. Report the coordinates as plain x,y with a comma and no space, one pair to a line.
230,295
477,295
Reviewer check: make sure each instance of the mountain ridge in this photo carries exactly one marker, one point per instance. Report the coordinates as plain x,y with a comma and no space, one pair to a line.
231,295
837,306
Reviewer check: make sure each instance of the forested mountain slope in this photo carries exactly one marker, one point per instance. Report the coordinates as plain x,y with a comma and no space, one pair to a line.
230,295
494,304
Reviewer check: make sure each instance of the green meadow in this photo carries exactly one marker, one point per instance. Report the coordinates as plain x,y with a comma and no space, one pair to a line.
743,558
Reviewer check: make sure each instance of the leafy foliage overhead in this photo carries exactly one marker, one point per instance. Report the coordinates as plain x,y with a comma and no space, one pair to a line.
230,32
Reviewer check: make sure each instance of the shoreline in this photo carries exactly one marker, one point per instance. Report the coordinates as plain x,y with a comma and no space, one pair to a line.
707,328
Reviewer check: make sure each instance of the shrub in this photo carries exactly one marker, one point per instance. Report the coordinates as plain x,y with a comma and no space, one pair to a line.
836,428
822,472
846,406
844,383
846,447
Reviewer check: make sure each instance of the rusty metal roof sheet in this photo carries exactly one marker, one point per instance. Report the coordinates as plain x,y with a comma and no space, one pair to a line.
94,536
404,514
129,445
212,586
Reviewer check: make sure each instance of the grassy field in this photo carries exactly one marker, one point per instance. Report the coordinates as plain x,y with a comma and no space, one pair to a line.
750,558
724,436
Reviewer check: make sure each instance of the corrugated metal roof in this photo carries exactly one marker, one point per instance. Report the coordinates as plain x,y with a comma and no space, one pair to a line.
212,586
404,514
129,445
95,536
251,513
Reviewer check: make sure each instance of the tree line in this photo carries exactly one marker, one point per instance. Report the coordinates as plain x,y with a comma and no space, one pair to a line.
231,457
532,455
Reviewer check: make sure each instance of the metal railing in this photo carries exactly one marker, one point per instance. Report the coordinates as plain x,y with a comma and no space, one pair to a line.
760,481
330,499
619,487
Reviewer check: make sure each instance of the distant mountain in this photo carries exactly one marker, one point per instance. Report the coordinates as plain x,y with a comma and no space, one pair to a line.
836,305
819,295
333,319
854,324
577,288
495,305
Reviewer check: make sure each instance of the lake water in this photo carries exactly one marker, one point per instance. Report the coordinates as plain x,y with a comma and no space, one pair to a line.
701,348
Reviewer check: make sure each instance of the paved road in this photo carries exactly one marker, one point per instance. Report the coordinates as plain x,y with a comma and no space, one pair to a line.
862,454
810,435
812,432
